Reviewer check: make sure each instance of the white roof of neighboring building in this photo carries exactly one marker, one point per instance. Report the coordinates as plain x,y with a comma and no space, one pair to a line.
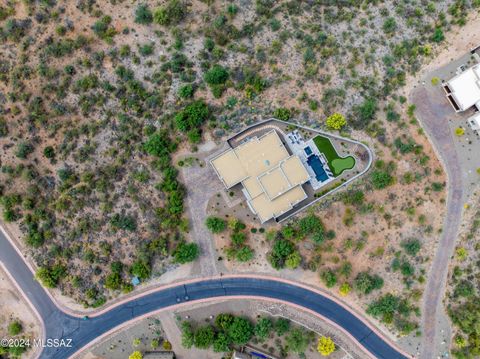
475,122
465,88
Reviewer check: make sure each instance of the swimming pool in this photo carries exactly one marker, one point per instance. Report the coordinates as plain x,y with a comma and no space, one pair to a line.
308,150
317,167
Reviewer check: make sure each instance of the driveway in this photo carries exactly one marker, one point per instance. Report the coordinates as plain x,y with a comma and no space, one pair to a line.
434,112
202,184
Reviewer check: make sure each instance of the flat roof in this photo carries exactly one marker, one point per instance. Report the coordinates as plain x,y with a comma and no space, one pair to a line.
271,177
275,183
266,208
229,168
465,87
261,154
295,171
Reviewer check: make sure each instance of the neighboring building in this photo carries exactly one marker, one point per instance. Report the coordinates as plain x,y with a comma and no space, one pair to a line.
271,177
474,123
238,355
463,91
159,355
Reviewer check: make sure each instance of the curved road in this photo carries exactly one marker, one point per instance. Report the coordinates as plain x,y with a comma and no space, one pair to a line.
61,325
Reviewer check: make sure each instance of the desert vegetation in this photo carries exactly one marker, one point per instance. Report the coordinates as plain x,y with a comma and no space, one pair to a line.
97,97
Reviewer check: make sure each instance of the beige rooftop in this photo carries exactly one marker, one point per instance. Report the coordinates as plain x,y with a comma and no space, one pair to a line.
271,177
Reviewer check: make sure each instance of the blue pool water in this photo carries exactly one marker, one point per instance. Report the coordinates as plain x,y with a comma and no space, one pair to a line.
317,167
308,151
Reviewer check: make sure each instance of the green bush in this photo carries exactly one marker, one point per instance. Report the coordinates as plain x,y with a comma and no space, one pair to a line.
159,144
15,328
143,15
173,12
203,337
390,25
186,252
141,269
102,29
24,149
244,254
186,91
438,35
280,251
50,276
381,179
192,116
263,328
125,222
364,113
329,278
282,113
411,246
240,331
366,283
215,224
217,75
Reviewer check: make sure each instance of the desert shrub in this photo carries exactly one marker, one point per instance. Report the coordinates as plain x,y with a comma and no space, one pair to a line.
143,15
263,328
215,224
192,116
173,12
203,337
297,340
24,149
390,25
217,75
186,91
15,328
122,221
381,179
141,269
159,144
103,30
280,251
186,252
365,283
411,246
438,35
364,113
244,254
329,278
282,113
50,276
336,121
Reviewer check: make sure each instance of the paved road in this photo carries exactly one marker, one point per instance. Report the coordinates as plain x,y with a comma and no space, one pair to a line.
60,325
433,116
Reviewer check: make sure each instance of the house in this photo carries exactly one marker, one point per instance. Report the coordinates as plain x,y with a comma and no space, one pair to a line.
238,355
463,91
159,355
270,175
474,123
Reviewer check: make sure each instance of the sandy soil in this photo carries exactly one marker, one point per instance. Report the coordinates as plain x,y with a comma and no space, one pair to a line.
14,307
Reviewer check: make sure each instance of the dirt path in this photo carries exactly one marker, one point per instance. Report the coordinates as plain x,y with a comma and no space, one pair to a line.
202,183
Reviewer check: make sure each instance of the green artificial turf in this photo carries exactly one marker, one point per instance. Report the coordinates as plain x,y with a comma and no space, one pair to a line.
336,163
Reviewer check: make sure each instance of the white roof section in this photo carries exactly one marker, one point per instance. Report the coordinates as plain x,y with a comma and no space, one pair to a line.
474,122
465,88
